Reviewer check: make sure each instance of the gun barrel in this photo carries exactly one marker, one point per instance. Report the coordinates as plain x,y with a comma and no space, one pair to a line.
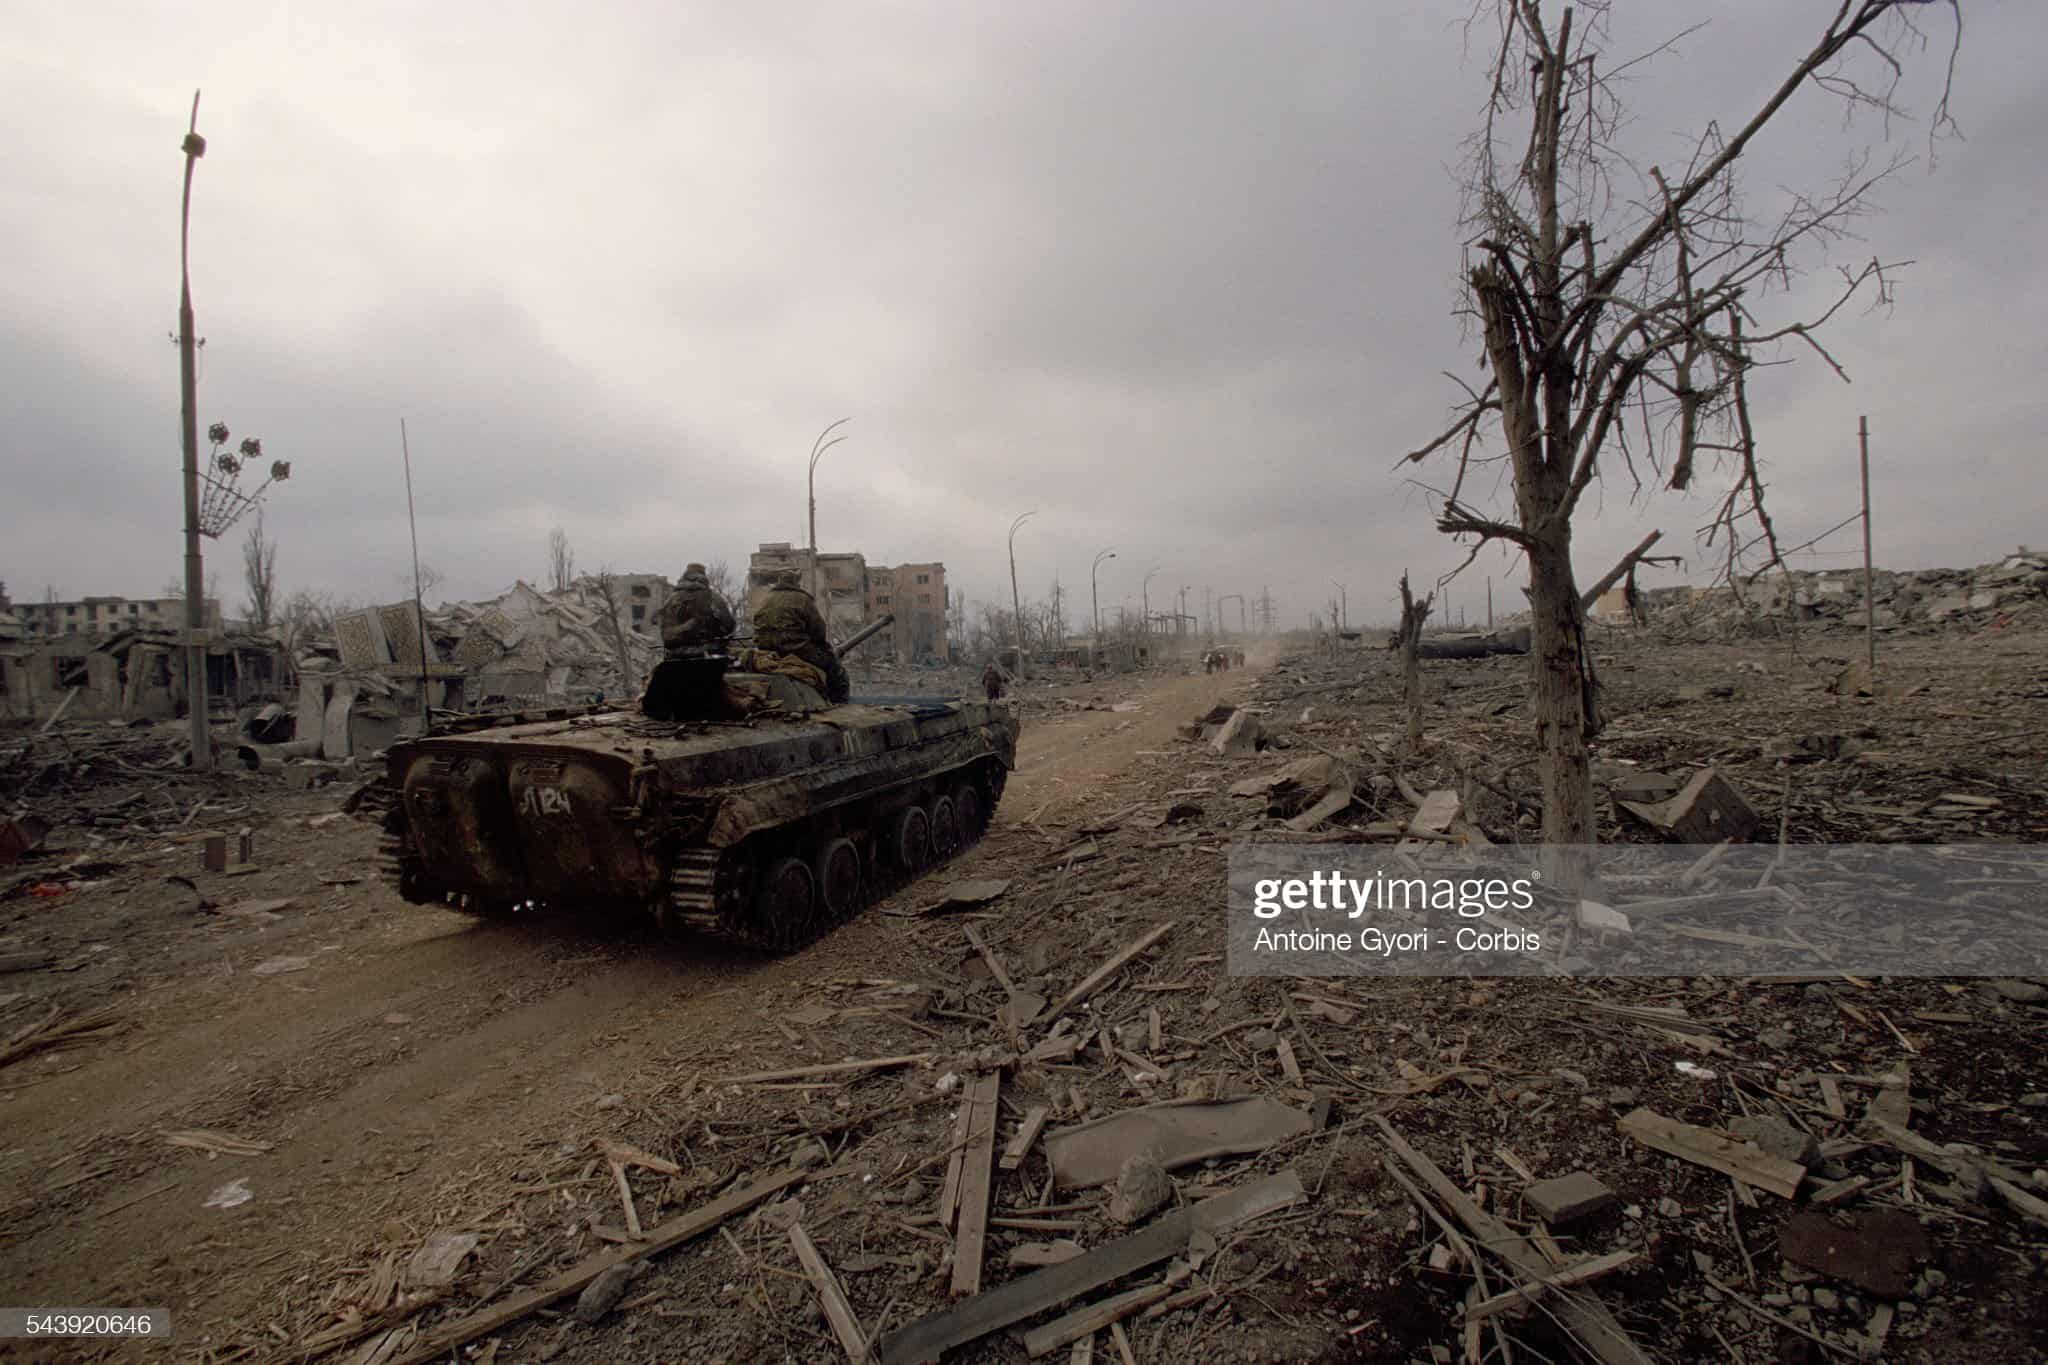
865,632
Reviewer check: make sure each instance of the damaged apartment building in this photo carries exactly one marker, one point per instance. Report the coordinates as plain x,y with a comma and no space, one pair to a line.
851,593
122,658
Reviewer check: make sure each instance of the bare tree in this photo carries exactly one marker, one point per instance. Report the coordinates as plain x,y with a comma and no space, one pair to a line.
726,584
606,586
424,583
259,575
561,560
1628,317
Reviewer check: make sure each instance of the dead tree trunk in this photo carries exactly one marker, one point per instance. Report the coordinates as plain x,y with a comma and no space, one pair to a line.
1590,323
1413,614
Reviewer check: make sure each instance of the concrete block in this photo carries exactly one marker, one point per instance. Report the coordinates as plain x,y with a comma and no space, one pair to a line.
1567,1198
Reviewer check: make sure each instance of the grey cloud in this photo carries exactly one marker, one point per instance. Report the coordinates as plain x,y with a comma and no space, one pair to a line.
1180,277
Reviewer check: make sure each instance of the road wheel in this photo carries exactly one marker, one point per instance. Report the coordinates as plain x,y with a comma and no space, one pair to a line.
969,813
910,840
786,906
838,870
945,828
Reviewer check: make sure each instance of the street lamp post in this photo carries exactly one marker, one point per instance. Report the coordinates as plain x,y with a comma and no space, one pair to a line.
818,449
1094,598
188,392
1343,605
1017,601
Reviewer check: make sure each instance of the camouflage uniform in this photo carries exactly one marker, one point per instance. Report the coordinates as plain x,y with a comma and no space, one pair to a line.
688,684
787,622
694,619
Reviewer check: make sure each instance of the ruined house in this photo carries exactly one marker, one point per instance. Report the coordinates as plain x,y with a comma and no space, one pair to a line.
133,674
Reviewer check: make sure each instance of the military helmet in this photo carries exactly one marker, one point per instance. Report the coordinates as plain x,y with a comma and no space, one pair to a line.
694,571
787,578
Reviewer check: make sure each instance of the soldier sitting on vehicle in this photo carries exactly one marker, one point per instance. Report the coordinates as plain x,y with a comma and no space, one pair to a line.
695,623
787,622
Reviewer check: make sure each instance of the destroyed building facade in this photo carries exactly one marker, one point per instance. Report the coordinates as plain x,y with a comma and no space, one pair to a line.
105,615
851,593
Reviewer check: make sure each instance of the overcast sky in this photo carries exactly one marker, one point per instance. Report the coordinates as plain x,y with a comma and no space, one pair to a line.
1177,276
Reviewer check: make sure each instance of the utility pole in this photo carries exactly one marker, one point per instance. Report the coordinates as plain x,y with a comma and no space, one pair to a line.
1016,601
1489,604
1343,605
1869,601
818,449
188,394
1180,622
1145,598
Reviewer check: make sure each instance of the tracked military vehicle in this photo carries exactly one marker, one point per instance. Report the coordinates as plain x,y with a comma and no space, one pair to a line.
764,832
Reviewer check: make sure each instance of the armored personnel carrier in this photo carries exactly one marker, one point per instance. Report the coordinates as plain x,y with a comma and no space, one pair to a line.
764,832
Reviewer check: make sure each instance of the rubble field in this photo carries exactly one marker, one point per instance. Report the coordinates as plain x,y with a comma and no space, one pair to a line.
1020,1110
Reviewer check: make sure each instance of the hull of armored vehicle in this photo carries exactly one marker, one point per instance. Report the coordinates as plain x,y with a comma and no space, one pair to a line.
765,832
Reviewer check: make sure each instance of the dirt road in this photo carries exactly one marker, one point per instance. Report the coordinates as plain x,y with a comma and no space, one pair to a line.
384,1052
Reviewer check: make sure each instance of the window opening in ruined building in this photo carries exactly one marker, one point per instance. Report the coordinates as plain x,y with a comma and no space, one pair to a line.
924,578
639,615
640,590
68,672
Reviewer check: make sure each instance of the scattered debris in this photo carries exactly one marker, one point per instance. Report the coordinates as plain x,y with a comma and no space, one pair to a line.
232,1195
1875,1250
921,1342
967,894
831,1297
217,1144
1706,810
1568,1198
1742,1160
1174,1134
1142,1189
438,1259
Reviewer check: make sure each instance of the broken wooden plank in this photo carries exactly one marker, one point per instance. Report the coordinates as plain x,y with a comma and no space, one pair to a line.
1522,1295
1096,978
1289,1066
798,1073
441,1340
1175,1133
1704,1147
995,965
1020,1145
956,1161
921,1342
838,1311
976,1176
1585,1316
1086,1322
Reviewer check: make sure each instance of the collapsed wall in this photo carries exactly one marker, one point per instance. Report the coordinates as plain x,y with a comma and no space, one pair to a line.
1900,598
